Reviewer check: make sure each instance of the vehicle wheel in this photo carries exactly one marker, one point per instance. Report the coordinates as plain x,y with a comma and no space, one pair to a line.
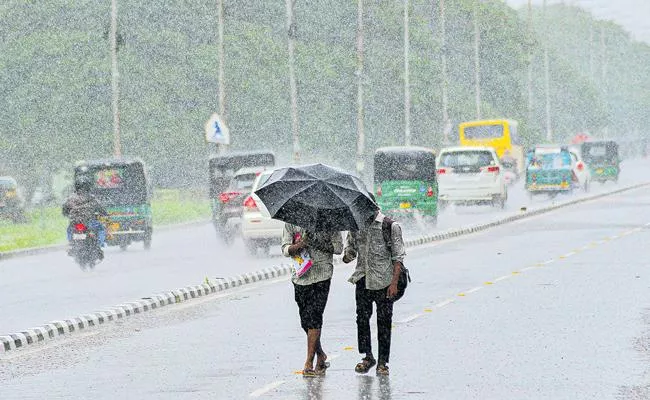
251,247
432,221
124,246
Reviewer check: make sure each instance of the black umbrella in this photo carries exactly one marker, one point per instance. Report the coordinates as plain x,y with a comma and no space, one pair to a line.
318,198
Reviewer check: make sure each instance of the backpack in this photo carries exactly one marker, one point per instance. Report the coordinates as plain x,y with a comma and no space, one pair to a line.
404,276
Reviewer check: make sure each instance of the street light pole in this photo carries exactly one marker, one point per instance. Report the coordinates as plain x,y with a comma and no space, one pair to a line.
220,73
446,124
293,86
530,62
407,89
547,82
117,145
360,128
477,61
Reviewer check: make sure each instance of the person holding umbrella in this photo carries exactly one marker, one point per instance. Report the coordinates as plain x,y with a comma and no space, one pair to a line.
375,279
311,288
317,202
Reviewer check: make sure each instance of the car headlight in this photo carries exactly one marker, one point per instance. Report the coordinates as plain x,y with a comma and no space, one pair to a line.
10,194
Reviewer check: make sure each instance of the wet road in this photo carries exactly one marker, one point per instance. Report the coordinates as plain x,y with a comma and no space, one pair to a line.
38,289
548,307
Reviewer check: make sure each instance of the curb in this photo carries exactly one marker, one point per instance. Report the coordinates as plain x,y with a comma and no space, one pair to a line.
6,255
60,328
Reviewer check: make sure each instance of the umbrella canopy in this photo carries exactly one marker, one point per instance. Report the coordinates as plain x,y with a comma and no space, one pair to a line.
318,198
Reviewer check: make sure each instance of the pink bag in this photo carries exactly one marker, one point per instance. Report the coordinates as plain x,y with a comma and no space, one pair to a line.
301,262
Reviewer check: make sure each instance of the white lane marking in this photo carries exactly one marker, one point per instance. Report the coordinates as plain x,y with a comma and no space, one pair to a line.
527,269
569,254
501,278
444,303
409,319
476,289
259,392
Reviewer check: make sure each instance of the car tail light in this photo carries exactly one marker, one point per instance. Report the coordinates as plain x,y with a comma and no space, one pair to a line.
227,196
80,227
493,168
249,204
430,192
379,192
580,166
442,171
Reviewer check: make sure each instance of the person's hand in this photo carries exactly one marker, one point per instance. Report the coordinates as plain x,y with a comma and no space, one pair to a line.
392,290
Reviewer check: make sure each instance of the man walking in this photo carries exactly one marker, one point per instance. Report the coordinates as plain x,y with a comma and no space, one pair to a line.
311,289
375,277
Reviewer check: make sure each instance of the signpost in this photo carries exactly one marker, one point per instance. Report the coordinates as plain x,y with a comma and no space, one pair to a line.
216,131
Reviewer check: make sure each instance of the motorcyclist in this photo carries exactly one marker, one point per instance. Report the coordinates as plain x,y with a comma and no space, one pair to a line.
82,206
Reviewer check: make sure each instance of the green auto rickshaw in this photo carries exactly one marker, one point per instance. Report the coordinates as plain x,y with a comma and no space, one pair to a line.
122,186
405,181
603,160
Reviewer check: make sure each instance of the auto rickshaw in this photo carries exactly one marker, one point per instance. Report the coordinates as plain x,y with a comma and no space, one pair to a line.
122,186
405,181
222,169
603,160
549,170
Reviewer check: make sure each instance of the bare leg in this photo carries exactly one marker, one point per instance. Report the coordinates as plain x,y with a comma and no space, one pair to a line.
313,338
321,357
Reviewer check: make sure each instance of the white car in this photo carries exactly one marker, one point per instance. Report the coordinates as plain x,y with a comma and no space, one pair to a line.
258,230
580,170
470,175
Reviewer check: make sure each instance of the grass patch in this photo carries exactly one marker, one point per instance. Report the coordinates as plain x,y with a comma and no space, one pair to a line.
47,226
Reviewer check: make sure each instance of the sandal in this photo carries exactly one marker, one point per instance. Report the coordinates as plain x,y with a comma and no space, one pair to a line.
364,366
309,373
382,369
320,369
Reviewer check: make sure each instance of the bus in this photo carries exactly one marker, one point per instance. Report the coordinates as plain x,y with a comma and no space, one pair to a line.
500,134
405,181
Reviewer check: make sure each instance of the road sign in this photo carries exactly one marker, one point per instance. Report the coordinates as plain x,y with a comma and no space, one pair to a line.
216,130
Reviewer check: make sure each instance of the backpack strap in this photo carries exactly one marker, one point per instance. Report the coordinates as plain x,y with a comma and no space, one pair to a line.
387,232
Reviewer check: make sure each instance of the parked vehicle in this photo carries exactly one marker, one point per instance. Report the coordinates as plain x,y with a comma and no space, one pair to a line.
603,160
258,229
12,205
549,170
405,181
122,187
232,200
500,134
471,175
221,169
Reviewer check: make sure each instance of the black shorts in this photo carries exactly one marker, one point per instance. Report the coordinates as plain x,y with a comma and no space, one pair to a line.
311,300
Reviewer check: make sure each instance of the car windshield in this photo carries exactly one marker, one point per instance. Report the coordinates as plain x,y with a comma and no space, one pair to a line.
599,151
242,182
484,132
118,185
457,159
407,166
558,160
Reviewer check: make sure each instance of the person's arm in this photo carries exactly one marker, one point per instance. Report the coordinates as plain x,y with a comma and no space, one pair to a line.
65,210
397,257
337,243
350,252
290,249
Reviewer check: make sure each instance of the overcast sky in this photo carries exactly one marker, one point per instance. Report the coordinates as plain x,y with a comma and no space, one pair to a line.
633,15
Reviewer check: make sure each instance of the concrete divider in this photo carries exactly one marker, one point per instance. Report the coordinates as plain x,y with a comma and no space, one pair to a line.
57,329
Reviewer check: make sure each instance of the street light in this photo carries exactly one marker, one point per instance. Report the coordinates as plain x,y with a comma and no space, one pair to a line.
117,145
407,89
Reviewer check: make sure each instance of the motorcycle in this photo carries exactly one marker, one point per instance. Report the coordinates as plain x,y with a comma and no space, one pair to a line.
84,245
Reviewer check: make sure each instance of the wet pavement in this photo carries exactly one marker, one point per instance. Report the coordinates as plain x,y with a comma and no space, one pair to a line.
38,289
551,307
